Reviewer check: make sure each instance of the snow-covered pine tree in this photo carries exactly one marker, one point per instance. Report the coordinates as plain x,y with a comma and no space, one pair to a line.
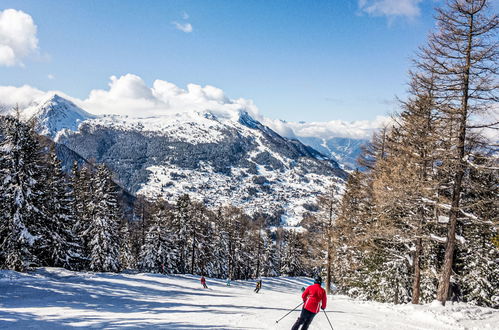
270,256
181,217
292,258
220,246
205,263
477,256
22,195
159,253
103,231
61,247
127,260
83,191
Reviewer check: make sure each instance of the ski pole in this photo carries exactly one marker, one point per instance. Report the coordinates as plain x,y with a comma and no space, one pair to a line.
328,319
288,313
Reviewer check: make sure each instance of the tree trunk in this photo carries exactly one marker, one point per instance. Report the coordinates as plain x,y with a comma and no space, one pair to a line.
329,247
329,261
443,285
416,287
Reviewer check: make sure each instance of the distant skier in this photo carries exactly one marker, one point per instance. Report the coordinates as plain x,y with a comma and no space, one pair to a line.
314,297
203,282
258,286
228,281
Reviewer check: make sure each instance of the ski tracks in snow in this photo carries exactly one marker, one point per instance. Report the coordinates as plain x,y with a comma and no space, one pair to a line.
53,298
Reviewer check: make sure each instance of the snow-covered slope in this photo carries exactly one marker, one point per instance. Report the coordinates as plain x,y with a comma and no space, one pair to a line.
345,151
53,298
54,113
220,159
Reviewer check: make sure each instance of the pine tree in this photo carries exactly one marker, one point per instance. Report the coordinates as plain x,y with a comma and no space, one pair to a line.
83,191
127,260
159,253
61,247
292,263
104,227
22,194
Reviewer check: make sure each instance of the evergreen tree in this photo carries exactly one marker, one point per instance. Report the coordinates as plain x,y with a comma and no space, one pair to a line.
127,260
159,253
61,247
104,227
22,195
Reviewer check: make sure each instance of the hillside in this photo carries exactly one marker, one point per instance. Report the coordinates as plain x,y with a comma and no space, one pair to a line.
220,158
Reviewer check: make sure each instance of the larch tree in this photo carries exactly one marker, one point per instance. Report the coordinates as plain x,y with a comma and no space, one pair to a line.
462,56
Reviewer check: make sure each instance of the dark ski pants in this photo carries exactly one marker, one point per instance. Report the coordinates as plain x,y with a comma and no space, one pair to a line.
256,290
205,286
305,318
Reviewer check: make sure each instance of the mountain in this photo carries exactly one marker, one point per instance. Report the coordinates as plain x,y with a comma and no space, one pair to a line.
219,159
345,151
54,114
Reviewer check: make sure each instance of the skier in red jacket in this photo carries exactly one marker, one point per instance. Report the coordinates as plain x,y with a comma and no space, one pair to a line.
314,297
203,282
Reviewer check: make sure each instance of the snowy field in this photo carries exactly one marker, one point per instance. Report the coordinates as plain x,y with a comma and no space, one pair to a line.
53,298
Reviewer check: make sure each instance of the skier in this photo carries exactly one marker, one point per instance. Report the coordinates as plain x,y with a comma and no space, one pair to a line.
258,286
313,297
203,282
228,281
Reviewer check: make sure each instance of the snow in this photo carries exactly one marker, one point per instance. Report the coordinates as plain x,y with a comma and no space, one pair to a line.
438,238
443,219
55,114
53,298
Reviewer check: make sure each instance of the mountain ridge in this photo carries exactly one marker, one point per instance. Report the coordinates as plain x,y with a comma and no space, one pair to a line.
235,160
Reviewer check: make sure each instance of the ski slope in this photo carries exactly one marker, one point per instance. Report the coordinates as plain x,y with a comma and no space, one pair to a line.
53,298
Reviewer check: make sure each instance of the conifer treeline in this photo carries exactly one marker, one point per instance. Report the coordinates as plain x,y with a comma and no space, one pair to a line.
76,221
420,222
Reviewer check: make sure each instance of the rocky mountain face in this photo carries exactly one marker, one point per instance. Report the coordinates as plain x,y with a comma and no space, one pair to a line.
218,159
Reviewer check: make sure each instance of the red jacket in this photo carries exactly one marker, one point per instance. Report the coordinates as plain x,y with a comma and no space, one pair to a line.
203,280
313,296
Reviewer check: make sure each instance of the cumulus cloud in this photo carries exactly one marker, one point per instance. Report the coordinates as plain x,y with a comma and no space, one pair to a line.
360,129
10,96
184,27
390,8
130,95
51,76
17,37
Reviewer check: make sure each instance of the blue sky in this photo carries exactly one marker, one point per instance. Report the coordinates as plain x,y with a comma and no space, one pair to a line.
297,60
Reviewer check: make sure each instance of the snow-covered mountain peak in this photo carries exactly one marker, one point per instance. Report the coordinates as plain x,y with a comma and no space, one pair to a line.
54,113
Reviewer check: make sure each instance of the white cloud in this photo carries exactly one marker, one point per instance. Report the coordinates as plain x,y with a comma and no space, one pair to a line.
51,76
184,27
129,95
17,37
360,129
390,8
23,96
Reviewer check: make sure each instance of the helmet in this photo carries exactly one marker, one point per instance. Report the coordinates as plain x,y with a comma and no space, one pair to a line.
318,280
